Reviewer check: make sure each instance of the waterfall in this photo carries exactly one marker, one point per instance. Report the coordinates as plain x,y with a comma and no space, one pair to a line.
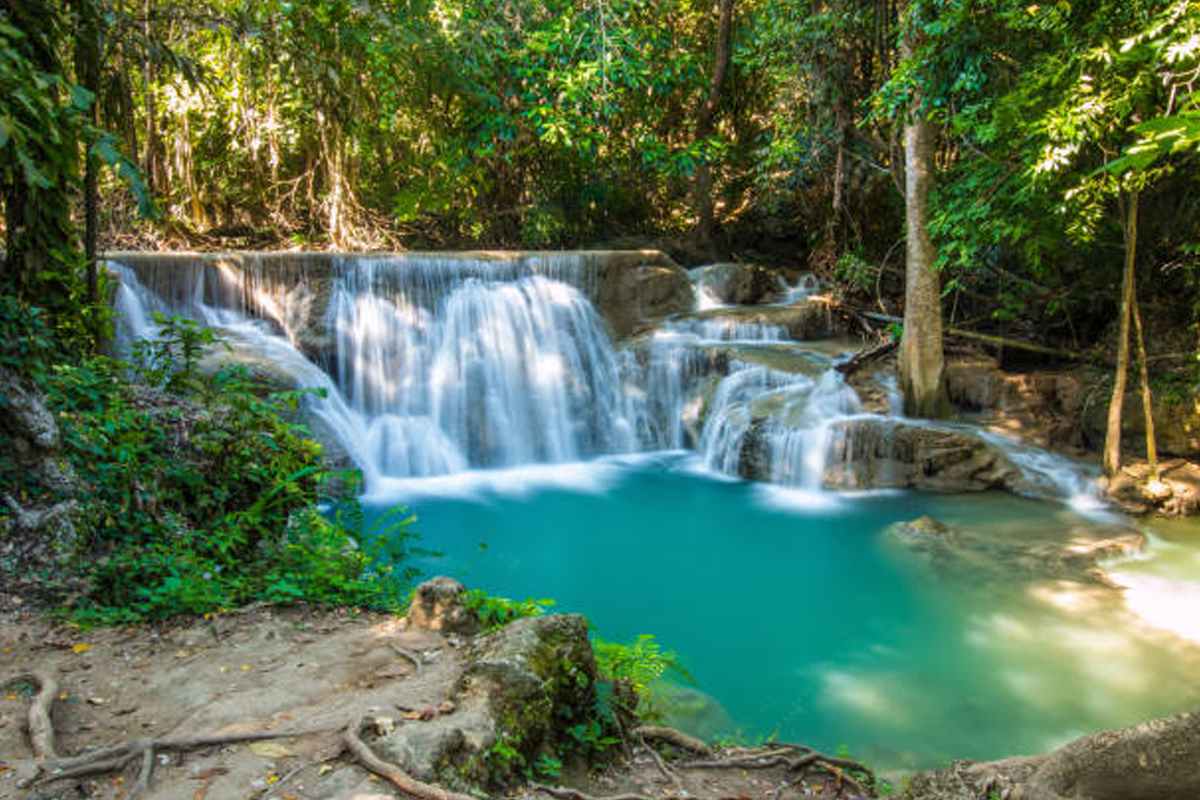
437,364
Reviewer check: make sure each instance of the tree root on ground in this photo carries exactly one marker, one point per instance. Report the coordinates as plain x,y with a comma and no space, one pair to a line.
409,655
390,772
785,755
672,736
41,730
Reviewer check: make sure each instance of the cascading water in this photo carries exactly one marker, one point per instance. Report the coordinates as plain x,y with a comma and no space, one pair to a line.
433,365
438,364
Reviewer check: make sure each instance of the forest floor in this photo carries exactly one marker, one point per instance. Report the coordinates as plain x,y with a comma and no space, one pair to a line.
272,669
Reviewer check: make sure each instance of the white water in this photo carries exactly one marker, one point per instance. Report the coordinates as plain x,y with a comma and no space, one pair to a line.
446,365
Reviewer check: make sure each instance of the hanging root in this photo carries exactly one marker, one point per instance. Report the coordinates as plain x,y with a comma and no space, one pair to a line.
390,772
41,730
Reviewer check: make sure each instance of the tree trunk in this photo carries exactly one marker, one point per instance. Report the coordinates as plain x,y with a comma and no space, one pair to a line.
705,125
87,71
1112,436
1147,399
922,359
152,166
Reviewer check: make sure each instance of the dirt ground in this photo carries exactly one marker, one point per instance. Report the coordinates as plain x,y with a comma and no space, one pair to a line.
272,669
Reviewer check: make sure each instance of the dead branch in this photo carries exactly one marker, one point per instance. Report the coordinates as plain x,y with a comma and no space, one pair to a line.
41,730
390,772
866,356
989,339
563,793
672,736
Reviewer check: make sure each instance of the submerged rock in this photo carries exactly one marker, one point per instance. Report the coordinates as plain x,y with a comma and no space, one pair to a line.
738,284
810,320
1075,554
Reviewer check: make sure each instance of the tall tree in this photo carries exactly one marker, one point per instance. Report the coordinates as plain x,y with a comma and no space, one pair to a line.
922,358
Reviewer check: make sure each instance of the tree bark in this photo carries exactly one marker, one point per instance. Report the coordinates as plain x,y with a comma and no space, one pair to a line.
1147,398
1112,436
922,359
705,125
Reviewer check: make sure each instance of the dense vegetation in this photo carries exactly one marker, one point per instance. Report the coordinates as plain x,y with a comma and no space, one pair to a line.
1032,156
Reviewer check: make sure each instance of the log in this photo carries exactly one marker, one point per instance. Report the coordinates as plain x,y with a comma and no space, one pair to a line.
994,341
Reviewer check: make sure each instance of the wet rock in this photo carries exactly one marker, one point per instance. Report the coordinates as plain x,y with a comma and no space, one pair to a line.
879,453
739,284
439,604
688,709
523,688
810,320
630,296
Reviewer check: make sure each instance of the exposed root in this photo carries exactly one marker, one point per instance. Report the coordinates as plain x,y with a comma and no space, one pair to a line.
672,736
41,730
563,793
120,757
405,653
390,772
784,756
667,772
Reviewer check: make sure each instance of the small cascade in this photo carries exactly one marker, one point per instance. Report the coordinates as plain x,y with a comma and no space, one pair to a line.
721,329
1051,475
806,285
731,415
799,435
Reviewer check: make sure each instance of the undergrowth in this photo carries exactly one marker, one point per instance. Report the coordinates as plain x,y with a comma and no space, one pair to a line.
196,492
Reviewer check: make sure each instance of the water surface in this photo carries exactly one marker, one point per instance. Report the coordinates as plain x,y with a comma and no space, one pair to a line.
804,621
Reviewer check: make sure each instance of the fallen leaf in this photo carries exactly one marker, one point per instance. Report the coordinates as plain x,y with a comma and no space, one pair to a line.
272,778
324,769
246,667
271,750
81,648
97,701
212,772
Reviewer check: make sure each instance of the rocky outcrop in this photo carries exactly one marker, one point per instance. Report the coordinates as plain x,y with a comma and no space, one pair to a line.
1069,408
738,284
1175,493
1040,407
1073,554
880,453
42,534
439,604
635,289
1152,761
523,687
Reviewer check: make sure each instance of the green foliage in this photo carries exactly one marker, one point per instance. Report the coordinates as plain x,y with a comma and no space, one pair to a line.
27,345
855,271
496,612
201,495
640,662
548,766
170,360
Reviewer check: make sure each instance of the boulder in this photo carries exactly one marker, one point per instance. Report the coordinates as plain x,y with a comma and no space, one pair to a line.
880,453
738,284
632,296
439,604
1154,760
524,687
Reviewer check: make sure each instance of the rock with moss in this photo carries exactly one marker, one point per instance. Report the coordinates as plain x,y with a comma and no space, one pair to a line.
522,691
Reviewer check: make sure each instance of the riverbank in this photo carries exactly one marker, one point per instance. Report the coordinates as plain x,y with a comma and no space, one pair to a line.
276,670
